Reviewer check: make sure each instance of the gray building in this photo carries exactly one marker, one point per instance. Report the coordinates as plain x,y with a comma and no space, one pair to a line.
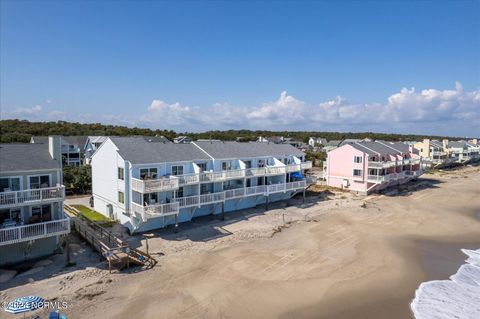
31,200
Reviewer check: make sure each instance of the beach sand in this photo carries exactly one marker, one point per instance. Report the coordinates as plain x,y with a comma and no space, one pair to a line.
333,258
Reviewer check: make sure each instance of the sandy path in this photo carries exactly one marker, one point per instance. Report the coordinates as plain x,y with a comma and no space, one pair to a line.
336,260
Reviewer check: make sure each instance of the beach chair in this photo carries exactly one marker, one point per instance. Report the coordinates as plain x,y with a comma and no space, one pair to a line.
54,315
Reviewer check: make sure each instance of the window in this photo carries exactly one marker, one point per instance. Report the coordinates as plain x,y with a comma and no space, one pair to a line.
121,197
121,173
206,188
179,192
9,184
357,159
202,166
357,172
177,170
41,214
39,181
261,163
249,182
248,164
9,215
148,173
226,166
260,181
150,199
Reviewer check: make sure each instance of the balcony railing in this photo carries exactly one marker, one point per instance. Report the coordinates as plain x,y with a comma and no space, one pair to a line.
188,179
258,171
275,170
384,164
306,165
31,196
293,168
205,199
156,210
154,185
24,233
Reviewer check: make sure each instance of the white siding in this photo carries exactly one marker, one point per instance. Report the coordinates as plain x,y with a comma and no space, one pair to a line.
105,183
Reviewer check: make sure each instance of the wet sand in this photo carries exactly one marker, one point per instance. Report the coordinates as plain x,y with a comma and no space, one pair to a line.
333,259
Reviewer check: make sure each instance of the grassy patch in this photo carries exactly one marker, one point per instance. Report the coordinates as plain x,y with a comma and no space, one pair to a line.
91,214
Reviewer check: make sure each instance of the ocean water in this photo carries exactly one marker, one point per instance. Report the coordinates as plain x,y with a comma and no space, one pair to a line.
457,297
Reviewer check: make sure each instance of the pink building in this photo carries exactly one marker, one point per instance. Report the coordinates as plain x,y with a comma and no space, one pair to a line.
366,167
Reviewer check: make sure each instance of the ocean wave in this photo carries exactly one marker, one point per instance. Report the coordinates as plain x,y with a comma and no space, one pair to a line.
458,297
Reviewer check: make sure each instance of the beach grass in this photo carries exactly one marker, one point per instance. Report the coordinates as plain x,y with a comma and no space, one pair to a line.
92,215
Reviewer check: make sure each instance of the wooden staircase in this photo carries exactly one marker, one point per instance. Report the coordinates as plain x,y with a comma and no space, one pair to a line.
117,252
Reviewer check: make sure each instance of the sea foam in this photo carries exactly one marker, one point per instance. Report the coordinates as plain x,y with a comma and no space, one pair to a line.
458,297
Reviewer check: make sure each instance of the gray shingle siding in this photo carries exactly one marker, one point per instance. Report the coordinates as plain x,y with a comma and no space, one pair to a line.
26,157
137,150
230,150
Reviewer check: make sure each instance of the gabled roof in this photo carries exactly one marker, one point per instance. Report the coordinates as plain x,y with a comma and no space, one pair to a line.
375,148
349,141
26,157
66,140
139,151
97,139
333,143
156,139
457,144
224,150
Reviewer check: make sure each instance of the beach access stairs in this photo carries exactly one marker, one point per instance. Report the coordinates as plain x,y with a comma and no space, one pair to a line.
117,252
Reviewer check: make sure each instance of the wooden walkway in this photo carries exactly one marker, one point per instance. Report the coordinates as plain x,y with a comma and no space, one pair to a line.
117,252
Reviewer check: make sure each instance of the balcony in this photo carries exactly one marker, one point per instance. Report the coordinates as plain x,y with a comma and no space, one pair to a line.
188,179
24,233
384,164
32,196
438,153
155,185
306,165
381,178
275,170
221,176
293,168
156,210
252,172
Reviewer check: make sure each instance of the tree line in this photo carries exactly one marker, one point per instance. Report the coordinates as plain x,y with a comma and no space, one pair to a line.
20,131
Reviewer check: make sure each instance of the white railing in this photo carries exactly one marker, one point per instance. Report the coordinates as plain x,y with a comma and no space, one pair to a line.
384,164
154,185
188,201
235,193
293,168
188,179
212,198
156,210
31,196
296,185
255,190
438,153
258,171
18,234
306,165
275,170
276,188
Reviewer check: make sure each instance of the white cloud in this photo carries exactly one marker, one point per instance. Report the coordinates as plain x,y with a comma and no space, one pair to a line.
408,108
429,111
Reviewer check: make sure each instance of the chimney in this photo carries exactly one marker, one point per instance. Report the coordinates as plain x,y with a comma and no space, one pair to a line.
55,147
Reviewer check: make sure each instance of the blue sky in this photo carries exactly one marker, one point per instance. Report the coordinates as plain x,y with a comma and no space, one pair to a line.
389,66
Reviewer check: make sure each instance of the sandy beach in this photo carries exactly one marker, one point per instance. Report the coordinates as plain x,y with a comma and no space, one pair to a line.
345,256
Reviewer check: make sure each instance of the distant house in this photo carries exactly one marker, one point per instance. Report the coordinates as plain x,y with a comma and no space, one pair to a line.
317,141
463,151
271,139
72,148
156,139
331,145
91,145
435,152
349,141
182,139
